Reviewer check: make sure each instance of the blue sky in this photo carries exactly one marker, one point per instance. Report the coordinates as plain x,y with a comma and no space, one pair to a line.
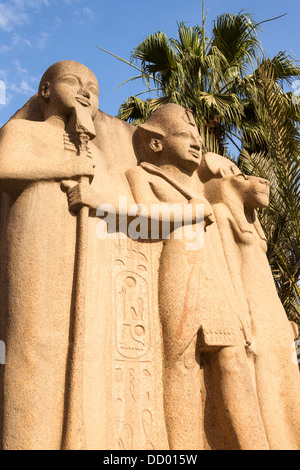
36,33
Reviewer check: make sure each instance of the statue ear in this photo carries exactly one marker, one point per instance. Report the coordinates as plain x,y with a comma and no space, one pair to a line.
156,144
45,91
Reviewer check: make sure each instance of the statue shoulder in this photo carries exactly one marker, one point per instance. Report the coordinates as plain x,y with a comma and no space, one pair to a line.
137,173
18,127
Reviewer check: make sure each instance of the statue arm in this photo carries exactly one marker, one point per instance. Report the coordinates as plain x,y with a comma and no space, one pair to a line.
228,232
19,164
147,202
143,191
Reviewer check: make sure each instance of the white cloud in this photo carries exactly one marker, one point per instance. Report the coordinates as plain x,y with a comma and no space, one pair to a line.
15,13
83,15
19,67
24,87
10,17
42,40
25,24
5,48
19,41
16,41
19,81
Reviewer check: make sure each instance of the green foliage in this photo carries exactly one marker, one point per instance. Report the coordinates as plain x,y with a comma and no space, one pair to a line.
278,161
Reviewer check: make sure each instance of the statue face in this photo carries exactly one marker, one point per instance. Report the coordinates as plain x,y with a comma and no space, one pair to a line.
183,145
254,191
71,87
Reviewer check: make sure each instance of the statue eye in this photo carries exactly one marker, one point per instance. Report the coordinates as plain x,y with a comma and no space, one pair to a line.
94,90
70,80
185,135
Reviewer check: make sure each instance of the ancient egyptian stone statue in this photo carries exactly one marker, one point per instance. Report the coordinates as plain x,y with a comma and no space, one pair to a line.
195,312
35,158
125,342
39,150
234,198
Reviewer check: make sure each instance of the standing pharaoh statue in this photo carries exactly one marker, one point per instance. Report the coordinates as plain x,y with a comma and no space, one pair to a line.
39,157
35,157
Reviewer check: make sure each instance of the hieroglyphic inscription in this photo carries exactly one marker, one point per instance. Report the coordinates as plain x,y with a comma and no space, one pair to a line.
134,398
132,321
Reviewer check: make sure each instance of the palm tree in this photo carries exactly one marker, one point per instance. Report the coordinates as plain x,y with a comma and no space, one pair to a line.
278,161
237,97
214,77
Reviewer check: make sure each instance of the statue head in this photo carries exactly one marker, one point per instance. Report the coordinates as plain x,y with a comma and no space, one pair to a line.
224,179
170,136
67,86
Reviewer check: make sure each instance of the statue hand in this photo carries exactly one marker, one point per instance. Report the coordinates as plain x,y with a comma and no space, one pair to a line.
208,210
81,195
77,167
210,219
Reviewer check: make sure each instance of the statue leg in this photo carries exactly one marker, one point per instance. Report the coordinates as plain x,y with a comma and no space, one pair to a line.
236,400
182,400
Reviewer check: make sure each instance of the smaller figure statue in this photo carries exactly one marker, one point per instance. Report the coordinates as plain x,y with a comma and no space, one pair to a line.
235,198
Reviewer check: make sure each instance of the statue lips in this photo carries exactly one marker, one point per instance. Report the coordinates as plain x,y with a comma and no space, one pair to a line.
84,101
262,192
195,154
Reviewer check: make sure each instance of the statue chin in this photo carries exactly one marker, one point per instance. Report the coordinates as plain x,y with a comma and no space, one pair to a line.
263,201
189,165
258,199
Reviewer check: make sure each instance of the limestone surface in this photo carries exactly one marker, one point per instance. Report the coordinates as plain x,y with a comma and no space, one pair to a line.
137,306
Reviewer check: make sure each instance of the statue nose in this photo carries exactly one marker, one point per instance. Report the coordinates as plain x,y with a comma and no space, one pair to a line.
84,93
196,147
196,144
